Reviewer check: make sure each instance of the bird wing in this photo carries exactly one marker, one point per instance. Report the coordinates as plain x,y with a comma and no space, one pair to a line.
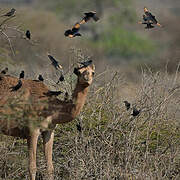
52,59
95,18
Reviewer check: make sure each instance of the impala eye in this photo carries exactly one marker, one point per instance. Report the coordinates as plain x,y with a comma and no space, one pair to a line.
93,73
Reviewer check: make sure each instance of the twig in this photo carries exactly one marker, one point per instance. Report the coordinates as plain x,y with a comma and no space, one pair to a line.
9,42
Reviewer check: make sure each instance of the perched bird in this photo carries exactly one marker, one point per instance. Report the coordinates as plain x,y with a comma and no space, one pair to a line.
66,96
127,104
16,87
28,34
150,17
86,63
53,93
61,78
135,112
79,128
54,62
21,76
4,71
40,78
88,16
73,32
10,13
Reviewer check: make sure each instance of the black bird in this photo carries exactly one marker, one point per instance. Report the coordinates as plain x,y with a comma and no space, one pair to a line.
28,34
54,62
86,63
40,78
148,25
88,16
53,93
79,128
61,78
21,76
10,13
16,87
66,96
135,112
151,17
4,71
73,32
127,104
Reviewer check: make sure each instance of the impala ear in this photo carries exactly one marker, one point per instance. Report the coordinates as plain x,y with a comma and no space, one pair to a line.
76,71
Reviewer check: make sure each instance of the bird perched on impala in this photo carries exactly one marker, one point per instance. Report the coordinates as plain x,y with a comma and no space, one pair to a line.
88,16
73,32
54,62
150,17
17,86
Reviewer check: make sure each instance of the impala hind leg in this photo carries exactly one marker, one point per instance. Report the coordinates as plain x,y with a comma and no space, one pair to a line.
48,137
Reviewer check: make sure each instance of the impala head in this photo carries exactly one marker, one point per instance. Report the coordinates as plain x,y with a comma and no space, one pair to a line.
85,74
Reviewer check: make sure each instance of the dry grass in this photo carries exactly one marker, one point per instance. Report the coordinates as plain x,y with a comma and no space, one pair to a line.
112,144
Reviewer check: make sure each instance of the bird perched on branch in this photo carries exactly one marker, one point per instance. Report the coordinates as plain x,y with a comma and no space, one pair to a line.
16,87
10,13
28,34
54,62
21,76
150,17
127,104
86,63
4,71
135,112
61,78
88,16
73,32
40,78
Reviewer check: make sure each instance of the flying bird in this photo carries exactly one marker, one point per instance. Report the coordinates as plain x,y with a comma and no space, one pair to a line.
10,13
135,112
28,34
127,104
4,71
16,87
40,78
73,32
21,76
61,78
86,63
150,17
148,24
54,62
88,16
